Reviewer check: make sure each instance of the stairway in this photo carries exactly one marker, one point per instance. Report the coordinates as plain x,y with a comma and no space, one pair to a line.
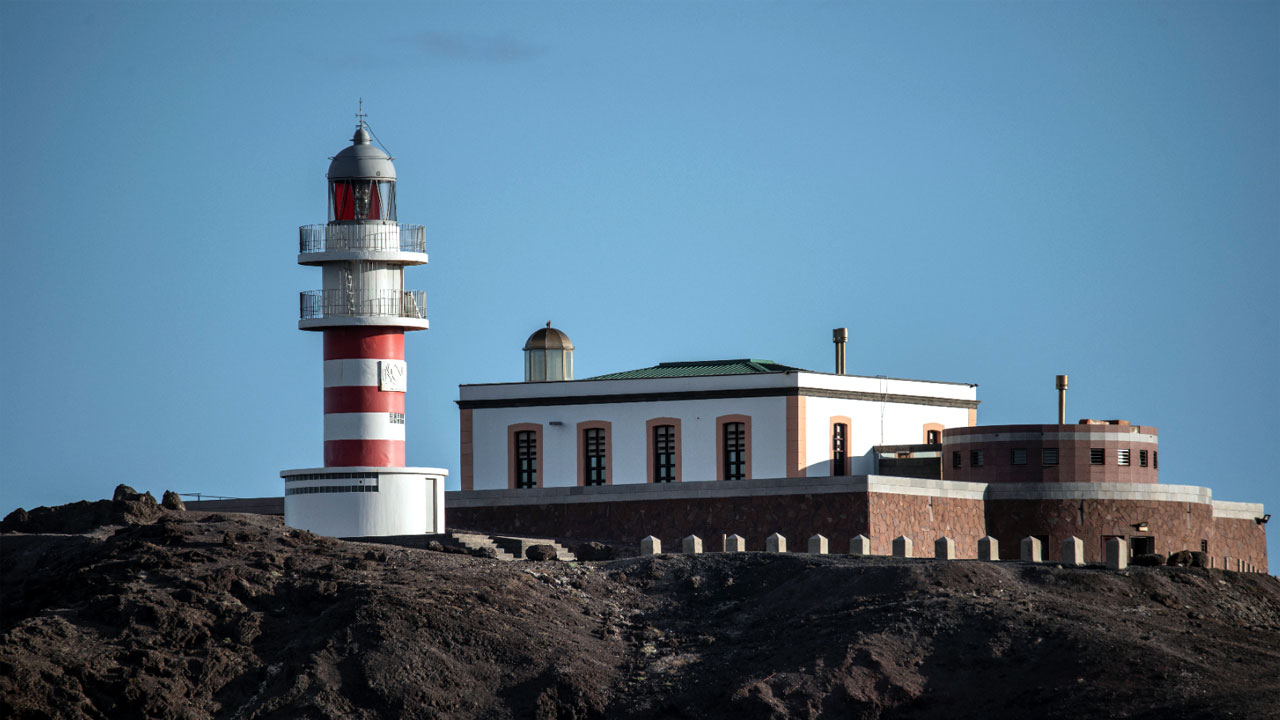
503,547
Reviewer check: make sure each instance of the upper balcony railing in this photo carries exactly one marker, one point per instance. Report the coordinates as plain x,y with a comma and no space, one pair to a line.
362,236
318,304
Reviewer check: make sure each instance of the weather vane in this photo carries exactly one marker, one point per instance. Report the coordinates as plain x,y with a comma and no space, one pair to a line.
361,115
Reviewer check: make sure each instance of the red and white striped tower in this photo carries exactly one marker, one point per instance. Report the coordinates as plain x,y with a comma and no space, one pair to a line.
363,309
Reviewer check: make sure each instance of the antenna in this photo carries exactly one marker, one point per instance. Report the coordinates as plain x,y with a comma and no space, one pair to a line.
361,115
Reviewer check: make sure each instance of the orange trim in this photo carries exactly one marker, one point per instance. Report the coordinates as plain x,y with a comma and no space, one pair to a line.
973,417
466,452
831,436
511,451
796,460
746,434
649,445
924,436
608,450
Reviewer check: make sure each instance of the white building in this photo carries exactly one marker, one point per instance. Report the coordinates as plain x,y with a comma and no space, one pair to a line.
694,421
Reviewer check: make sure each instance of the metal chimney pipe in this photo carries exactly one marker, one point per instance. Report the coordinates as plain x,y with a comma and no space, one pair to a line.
1062,399
840,336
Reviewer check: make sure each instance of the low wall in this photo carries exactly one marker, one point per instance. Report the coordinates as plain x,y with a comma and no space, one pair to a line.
256,506
797,508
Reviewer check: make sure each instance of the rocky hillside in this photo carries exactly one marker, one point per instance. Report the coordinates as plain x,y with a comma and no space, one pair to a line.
172,614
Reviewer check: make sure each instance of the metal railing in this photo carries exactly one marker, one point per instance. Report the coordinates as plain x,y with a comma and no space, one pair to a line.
317,304
360,236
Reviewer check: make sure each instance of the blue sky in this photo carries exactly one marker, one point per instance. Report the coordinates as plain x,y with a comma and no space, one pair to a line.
982,192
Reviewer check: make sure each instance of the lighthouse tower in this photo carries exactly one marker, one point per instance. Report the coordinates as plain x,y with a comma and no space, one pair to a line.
363,311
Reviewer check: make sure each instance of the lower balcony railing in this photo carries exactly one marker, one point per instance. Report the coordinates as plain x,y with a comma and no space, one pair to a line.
361,236
318,304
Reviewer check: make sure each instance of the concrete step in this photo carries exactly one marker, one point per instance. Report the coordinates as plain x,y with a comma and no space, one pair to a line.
518,545
476,541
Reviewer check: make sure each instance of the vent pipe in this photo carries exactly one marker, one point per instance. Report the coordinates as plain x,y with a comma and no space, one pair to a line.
1062,399
840,336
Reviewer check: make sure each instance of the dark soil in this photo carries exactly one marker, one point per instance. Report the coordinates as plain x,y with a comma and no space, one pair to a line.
196,615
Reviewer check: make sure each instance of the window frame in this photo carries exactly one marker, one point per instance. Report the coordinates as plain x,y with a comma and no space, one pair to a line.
721,451
1097,456
844,466
514,471
1013,456
651,446
1044,457
584,471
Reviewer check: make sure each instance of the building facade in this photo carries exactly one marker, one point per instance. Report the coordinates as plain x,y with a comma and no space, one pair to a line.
695,421
751,447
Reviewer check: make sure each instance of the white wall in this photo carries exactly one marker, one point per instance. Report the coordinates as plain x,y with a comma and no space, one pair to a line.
629,440
903,424
406,504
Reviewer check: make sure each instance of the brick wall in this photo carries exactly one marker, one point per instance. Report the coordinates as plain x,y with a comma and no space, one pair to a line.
1233,541
838,516
925,519
1173,525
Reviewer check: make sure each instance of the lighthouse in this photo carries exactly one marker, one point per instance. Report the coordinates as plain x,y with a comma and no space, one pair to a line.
363,310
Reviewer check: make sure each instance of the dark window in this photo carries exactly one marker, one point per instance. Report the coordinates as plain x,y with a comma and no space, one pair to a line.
975,458
1142,458
1018,456
526,459
933,437
839,448
593,449
1097,456
1142,545
1204,546
735,451
664,453
1155,459
955,459
1122,457
1049,456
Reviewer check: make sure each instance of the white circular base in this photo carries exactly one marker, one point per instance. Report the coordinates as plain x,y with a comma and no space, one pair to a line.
354,502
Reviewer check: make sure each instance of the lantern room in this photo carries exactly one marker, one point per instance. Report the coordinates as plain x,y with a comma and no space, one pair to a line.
362,183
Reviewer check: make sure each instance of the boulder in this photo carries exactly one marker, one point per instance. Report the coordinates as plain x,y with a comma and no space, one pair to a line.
124,492
171,501
1149,560
540,552
1182,558
15,521
1199,559
594,551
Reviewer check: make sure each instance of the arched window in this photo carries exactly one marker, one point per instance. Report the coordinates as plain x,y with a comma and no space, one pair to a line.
932,433
595,453
663,443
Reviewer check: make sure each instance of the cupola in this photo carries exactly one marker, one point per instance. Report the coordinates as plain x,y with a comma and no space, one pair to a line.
548,355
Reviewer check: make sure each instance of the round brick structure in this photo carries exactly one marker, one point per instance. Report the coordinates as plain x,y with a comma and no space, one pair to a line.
1092,452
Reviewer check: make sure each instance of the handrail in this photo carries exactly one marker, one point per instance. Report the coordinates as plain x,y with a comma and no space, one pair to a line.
383,237
318,304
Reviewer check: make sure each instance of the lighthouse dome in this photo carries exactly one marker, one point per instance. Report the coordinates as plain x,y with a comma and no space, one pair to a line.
361,160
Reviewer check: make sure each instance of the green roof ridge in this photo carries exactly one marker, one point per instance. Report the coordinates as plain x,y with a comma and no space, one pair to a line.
695,368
